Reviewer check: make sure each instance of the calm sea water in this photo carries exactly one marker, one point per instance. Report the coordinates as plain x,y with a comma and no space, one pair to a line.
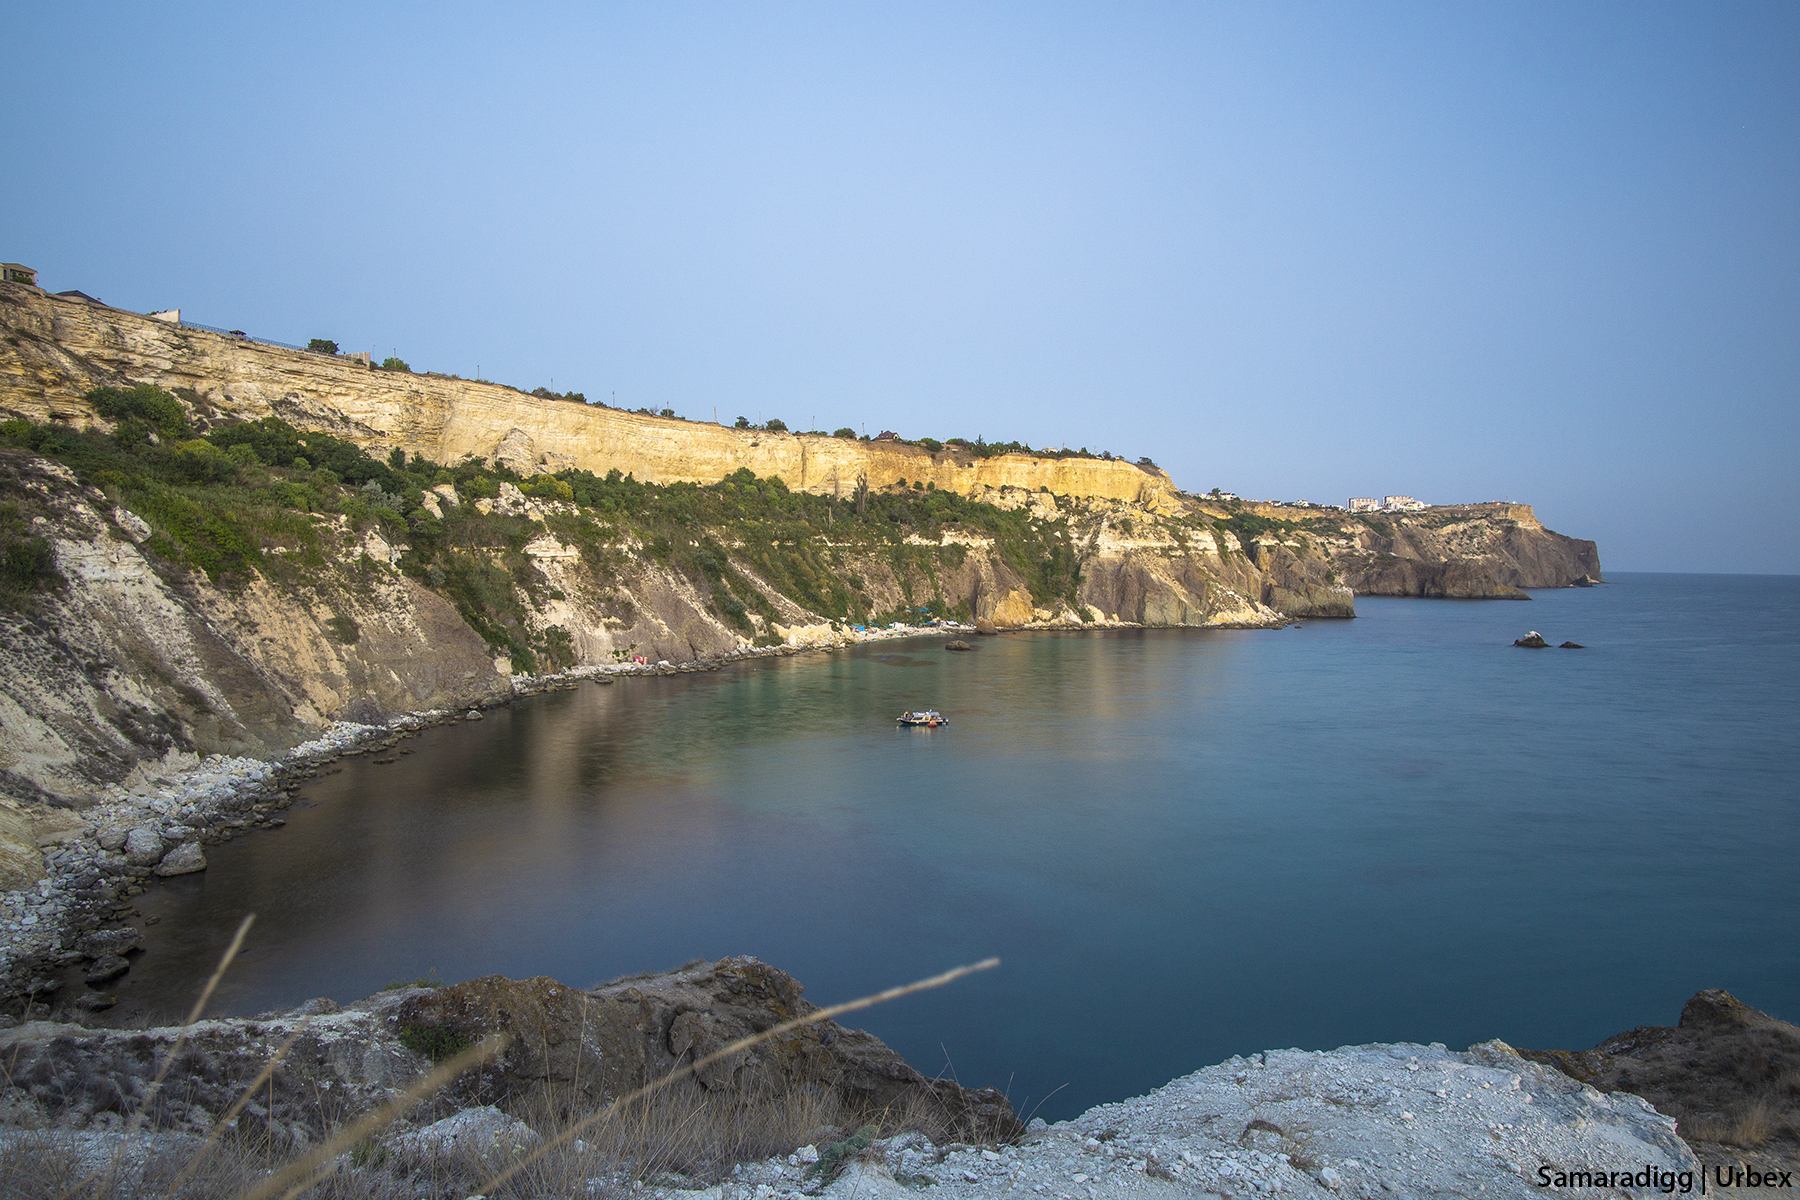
1183,845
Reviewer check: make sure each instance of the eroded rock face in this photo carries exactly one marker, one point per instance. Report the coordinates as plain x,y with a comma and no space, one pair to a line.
1723,1062
623,1035
596,1044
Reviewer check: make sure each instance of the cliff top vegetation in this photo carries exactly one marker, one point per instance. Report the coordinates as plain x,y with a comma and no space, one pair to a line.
242,498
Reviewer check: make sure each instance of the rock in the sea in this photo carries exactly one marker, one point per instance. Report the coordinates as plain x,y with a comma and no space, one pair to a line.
102,942
184,859
1571,646
1586,581
985,627
106,968
143,847
474,714
1532,641
95,1001
958,644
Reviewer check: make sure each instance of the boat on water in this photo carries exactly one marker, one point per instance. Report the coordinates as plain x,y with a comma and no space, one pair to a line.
929,718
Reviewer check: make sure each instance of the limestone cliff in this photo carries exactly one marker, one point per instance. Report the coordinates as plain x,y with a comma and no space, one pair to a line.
347,543
58,349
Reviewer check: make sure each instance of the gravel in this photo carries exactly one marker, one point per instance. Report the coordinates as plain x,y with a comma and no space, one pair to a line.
1382,1121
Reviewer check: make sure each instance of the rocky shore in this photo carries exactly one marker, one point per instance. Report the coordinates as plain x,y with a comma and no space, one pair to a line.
67,925
1375,1121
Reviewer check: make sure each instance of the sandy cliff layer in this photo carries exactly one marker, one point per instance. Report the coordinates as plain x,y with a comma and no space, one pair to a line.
58,349
133,665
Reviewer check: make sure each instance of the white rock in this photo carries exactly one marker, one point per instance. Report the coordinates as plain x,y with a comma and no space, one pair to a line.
483,1133
143,847
185,859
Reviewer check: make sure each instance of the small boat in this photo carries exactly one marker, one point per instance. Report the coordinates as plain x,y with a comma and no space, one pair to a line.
929,719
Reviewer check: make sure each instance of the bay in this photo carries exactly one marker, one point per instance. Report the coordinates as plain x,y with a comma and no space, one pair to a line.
1183,844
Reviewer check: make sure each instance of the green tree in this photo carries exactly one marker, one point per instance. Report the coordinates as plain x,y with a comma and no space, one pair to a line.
390,363
775,425
742,423
322,346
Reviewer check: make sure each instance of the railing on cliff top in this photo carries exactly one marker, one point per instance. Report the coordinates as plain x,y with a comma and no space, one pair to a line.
245,337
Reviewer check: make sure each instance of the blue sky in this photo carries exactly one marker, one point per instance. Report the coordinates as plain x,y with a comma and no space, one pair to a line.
1547,252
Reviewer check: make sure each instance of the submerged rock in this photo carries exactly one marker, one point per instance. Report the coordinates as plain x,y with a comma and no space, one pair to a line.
109,941
106,968
958,644
1571,646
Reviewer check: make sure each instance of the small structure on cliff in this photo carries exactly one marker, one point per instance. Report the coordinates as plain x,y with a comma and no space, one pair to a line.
18,273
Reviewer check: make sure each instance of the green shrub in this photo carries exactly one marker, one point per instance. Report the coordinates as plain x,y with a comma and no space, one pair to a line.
145,403
833,1157
435,1042
391,363
27,564
322,346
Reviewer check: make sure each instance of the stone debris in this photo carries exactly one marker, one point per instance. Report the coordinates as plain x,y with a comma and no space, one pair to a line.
485,1134
1377,1122
129,836
185,859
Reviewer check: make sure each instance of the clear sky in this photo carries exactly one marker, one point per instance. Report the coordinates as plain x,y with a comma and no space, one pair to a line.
1545,252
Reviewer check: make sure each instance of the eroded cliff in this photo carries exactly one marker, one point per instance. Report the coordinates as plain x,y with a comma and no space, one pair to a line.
59,349
221,545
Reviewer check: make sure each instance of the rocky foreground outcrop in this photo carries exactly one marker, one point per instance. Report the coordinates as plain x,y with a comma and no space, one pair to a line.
1730,1075
124,663
1375,1121
579,1047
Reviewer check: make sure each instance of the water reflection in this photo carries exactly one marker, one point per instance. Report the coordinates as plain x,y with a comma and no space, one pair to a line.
1184,845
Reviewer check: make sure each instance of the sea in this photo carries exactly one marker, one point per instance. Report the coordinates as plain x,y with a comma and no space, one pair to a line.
1181,844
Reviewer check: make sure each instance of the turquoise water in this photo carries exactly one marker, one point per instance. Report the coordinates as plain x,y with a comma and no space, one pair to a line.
1183,845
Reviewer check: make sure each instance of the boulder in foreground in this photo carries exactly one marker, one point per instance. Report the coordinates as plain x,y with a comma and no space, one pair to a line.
579,1047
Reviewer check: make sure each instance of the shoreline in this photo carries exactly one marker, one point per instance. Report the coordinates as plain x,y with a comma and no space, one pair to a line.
1367,1120
99,858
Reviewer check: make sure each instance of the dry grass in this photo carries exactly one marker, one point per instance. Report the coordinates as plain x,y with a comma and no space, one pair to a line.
1751,1125
671,1127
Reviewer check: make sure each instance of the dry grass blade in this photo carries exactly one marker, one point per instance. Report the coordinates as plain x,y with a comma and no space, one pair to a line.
569,1132
303,1172
101,1183
231,1114
225,960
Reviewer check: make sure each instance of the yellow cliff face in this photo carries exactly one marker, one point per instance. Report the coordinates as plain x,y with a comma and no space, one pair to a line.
59,349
